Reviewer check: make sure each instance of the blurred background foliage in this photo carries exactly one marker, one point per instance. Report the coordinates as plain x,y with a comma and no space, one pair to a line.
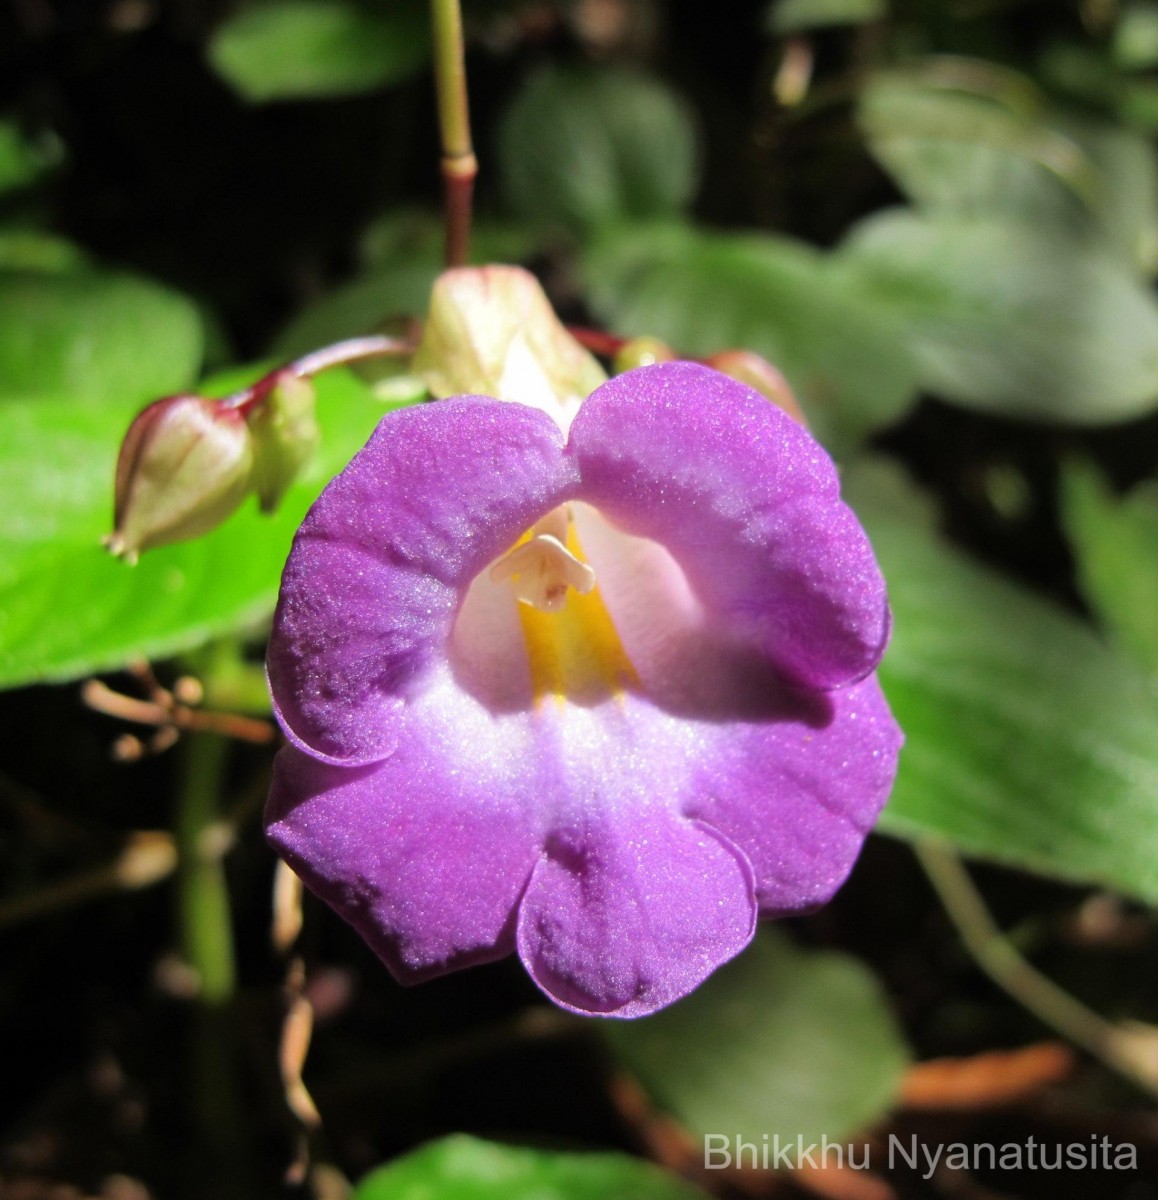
940,220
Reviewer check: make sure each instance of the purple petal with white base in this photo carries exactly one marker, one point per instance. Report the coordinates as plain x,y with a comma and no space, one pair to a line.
614,786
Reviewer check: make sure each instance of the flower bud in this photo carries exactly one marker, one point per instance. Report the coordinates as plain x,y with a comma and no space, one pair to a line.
756,372
641,352
492,331
184,466
285,433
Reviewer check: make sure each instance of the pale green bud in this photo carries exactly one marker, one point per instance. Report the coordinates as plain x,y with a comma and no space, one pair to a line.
285,434
492,331
641,352
184,466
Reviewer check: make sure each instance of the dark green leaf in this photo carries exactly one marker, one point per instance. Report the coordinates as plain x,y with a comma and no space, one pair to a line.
781,1042
796,16
1028,740
704,292
30,250
1116,541
101,337
22,159
68,609
581,148
1007,317
465,1168
279,49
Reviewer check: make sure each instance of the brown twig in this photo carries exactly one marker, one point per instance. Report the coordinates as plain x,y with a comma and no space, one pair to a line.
985,1081
147,858
170,713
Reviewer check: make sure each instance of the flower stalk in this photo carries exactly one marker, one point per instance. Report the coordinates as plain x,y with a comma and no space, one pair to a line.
459,165
340,354
206,935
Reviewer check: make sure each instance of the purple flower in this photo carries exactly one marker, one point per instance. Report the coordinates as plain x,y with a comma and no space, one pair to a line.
603,697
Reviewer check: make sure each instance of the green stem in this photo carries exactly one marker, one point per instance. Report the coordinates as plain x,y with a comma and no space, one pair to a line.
1120,1048
206,926
459,165
219,1162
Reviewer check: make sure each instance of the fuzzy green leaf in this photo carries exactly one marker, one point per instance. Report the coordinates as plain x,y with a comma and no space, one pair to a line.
781,1042
294,49
68,609
466,1168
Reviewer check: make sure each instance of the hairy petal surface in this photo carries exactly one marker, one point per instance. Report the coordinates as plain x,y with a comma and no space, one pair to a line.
629,910
748,504
800,796
383,558
427,852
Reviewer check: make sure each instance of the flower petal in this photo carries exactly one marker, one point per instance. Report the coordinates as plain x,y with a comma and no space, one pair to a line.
377,569
799,797
748,504
629,910
685,663
426,853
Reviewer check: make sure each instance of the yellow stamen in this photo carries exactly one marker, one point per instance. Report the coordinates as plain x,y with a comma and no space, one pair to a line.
542,570
572,644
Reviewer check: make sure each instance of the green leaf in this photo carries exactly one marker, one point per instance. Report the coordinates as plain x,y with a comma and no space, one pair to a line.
288,49
1116,544
99,336
1006,317
360,306
797,16
466,1168
22,159
581,148
780,1042
1125,209
965,136
1135,44
30,250
1028,741
978,151
1138,104
704,292
68,609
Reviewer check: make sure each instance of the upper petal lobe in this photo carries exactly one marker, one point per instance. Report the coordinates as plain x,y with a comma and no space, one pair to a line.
749,506
383,558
